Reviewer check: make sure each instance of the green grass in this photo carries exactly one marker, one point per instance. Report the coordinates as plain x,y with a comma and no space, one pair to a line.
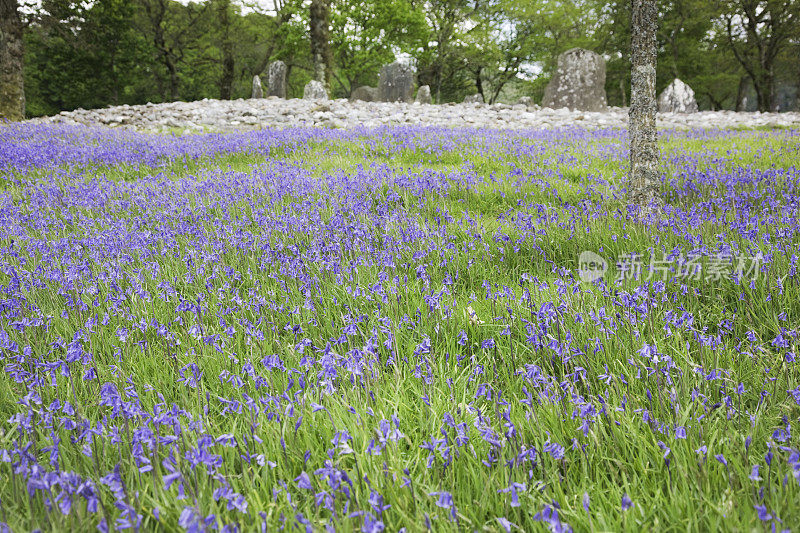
498,221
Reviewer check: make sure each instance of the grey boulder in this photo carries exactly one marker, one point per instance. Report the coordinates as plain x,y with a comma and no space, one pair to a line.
424,95
365,93
315,90
677,98
578,82
256,92
396,83
277,79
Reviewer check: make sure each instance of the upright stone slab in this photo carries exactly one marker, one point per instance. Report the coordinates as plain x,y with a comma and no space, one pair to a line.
677,98
424,95
256,92
578,83
314,90
277,79
365,93
474,99
396,83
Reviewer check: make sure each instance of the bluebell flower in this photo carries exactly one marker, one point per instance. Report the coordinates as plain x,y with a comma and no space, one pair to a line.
303,481
627,503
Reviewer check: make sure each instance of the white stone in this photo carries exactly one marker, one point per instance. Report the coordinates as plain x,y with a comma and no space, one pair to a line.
677,98
423,95
236,115
315,90
257,91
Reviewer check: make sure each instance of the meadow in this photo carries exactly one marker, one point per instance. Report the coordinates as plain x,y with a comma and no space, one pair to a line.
391,329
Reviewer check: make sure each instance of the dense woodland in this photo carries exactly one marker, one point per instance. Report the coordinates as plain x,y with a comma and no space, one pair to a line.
89,54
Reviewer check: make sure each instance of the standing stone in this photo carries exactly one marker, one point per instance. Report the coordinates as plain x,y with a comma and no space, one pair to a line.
643,179
277,79
314,90
365,93
396,83
424,95
677,98
578,83
257,92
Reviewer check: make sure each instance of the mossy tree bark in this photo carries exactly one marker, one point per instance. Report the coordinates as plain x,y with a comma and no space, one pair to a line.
12,87
643,179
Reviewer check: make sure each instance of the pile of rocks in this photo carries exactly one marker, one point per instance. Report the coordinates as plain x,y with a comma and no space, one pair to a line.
575,96
273,112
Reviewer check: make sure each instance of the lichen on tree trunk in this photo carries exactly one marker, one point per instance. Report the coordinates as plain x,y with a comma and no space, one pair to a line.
643,179
12,93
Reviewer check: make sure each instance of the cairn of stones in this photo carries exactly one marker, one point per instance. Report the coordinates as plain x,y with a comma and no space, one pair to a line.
244,115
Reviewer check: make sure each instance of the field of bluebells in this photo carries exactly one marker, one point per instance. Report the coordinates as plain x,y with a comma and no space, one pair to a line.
311,330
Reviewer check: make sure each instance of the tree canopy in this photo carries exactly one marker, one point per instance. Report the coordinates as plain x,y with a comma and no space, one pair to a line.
733,53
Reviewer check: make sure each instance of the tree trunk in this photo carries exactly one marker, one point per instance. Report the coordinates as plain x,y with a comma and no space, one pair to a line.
12,87
773,90
173,78
479,83
797,94
768,27
438,81
759,94
226,80
643,180
675,56
320,49
740,94
169,63
264,63
765,90
156,14
282,16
